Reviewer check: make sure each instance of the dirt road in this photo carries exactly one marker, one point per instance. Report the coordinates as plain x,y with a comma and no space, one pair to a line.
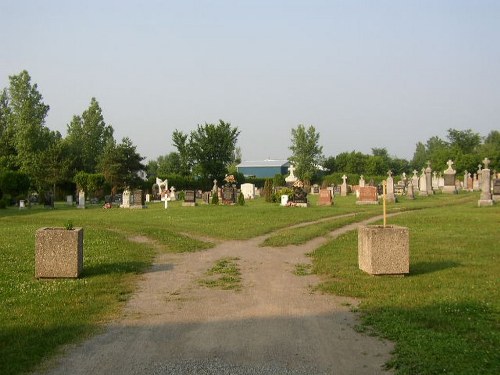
274,325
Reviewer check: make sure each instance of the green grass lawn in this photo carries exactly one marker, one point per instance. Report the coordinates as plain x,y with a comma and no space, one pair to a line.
443,316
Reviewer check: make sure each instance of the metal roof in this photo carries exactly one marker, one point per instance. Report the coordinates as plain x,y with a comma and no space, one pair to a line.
264,163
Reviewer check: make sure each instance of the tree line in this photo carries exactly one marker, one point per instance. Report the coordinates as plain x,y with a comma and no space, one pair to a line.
35,158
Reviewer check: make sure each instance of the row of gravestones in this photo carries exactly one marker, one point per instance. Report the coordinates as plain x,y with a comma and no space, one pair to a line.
426,184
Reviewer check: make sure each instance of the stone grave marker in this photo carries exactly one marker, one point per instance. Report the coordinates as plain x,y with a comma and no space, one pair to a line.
173,197
449,179
325,197
496,189
390,197
343,188
428,179
368,195
189,198
486,198
410,194
284,200
228,195
81,199
248,190
361,181
69,200
126,199
415,179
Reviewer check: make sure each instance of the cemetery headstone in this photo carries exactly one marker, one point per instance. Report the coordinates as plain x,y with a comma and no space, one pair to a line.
435,182
189,198
368,195
22,204
228,195
284,200
475,183
486,198
126,199
248,190
449,179
325,197
422,183
173,197
428,179
315,189
415,179
343,188
81,199
496,189
148,198
137,199
470,182
69,200
299,196
410,194
390,197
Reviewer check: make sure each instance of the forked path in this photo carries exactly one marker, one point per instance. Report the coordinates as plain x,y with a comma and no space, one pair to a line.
274,325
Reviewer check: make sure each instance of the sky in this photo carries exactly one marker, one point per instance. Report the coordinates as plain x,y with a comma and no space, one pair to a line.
365,74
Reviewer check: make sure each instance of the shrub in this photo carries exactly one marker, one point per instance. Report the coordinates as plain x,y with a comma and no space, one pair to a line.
215,198
3,203
276,197
241,199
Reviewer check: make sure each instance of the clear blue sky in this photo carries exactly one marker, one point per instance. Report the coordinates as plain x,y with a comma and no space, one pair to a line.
364,73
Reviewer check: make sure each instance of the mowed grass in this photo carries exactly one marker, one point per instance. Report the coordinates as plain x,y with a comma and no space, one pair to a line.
37,317
444,316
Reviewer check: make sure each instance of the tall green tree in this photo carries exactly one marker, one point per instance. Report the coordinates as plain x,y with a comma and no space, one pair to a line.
181,141
212,148
7,146
27,117
307,154
120,165
88,136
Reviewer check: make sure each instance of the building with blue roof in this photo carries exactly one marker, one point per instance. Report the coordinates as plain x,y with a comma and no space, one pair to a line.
263,168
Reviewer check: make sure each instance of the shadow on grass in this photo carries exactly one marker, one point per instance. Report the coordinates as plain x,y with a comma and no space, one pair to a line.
452,337
421,268
28,346
118,267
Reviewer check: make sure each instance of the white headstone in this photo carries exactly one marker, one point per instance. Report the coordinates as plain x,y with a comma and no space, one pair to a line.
248,190
81,199
284,200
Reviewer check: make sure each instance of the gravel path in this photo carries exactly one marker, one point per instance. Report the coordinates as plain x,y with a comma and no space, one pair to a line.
274,325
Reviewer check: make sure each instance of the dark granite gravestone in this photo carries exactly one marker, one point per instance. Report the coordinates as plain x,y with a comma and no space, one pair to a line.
299,196
228,195
189,198
496,186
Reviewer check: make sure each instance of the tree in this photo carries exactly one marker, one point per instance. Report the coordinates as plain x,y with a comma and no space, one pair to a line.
491,149
120,165
463,141
212,147
27,119
88,136
420,157
180,141
307,154
7,147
